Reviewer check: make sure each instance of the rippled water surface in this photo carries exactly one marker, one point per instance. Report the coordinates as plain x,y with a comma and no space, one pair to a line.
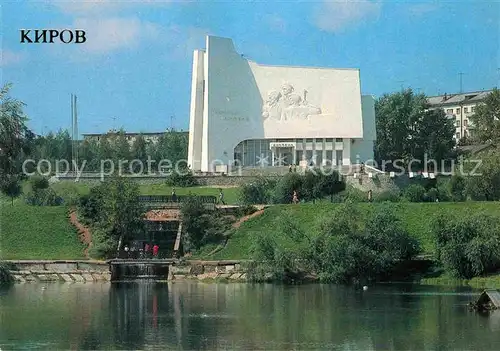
193,316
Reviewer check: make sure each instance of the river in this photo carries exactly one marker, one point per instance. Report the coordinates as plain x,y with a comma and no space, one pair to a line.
194,316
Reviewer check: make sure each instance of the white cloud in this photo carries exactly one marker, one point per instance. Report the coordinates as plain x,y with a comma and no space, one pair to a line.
8,58
111,34
79,7
336,16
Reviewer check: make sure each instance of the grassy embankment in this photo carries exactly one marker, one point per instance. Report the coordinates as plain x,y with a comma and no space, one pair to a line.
28,232
416,217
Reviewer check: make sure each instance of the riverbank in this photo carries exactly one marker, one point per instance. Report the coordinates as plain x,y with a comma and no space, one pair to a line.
224,271
416,217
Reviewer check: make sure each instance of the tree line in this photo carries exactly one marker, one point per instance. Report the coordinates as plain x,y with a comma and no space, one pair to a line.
114,146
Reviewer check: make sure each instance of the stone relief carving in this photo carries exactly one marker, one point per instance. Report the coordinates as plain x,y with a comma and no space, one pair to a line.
286,105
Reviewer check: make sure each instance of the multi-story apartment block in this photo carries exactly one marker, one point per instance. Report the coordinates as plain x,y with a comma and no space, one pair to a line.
460,107
151,137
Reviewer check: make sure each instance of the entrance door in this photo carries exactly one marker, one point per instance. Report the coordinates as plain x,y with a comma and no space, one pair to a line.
338,157
287,156
283,156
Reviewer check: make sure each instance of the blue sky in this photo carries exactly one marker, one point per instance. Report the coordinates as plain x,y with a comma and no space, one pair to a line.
135,69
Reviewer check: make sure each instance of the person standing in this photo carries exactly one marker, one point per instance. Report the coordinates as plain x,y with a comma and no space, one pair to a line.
290,169
156,248
295,197
147,250
127,251
221,197
370,196
174,195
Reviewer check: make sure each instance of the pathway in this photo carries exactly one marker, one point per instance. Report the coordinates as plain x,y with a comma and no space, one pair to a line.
83,232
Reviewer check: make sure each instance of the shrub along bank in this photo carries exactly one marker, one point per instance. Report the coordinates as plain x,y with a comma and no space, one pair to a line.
272,235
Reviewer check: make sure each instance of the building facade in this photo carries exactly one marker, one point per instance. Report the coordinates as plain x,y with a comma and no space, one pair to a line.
460,107
250,115
151,137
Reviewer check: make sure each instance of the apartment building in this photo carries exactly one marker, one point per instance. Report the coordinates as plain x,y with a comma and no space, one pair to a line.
150,137
460,107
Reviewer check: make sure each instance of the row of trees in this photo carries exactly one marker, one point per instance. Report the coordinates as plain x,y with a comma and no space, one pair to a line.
113,146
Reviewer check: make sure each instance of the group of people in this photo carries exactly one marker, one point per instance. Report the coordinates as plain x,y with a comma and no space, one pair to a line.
149,251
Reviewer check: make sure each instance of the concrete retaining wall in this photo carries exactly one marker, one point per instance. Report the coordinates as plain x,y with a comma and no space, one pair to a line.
203,270
98,271
60,271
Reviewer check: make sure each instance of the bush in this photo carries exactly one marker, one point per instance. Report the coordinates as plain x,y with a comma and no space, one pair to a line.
70,194
468,247
443,193
258,192
414,193
283,190
350,253
90,205
201,225
388,195
431,195
43,197
355,195
345,249
183,178
456,188
39,183
103,246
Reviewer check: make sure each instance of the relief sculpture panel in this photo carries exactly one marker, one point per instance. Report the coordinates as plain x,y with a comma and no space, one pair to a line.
285,105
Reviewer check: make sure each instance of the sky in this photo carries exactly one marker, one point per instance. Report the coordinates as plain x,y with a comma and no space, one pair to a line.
134,71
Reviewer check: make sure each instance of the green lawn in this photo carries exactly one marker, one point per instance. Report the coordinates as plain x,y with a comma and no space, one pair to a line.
28,232
417,218
230,194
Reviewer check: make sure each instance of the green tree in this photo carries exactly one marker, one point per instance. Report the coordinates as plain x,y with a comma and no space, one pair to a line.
408,129
173,146
11,187
139,152
484,184
115,213
121,147
468,246
486,119
15,137
89,152
201,225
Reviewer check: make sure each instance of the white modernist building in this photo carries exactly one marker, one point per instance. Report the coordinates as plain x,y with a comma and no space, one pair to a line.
247,114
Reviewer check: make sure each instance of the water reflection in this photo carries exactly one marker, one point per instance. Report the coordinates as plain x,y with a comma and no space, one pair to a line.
188,315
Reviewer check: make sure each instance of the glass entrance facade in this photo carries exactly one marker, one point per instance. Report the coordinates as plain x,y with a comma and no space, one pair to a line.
283,152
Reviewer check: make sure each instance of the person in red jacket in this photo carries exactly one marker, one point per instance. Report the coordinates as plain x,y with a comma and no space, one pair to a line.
155,250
